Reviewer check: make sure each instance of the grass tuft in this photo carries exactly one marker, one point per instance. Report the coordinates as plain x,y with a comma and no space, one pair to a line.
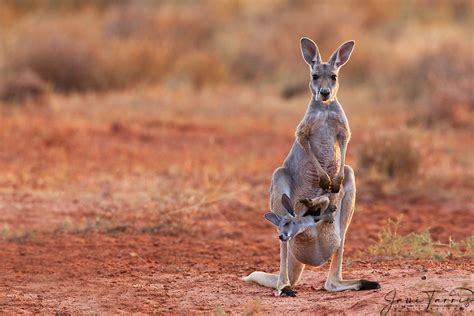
418,245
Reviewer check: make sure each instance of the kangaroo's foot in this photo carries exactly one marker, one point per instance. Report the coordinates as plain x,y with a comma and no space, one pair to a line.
336,184
324,181
368,285
358,285
287,291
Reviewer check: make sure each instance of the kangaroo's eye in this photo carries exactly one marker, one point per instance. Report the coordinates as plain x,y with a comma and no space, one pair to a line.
334,77
315,77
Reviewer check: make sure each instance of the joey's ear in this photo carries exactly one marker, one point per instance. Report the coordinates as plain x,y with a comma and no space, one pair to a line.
342,54
310,51
273,218
286,202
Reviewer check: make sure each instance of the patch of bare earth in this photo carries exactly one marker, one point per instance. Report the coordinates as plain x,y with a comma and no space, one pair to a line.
137,215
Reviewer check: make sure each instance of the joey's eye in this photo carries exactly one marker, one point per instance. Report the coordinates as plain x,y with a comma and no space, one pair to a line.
315,77
334,77
286,224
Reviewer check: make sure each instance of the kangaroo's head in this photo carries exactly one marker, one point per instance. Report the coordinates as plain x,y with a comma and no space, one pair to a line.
289,225
324,81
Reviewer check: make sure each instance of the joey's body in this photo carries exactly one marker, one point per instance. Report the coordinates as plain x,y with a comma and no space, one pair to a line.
316,163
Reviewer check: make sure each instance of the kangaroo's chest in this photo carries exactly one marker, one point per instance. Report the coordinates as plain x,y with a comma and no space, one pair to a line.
324,137
326,125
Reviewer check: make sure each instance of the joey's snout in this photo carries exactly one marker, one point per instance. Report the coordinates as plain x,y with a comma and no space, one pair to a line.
284,237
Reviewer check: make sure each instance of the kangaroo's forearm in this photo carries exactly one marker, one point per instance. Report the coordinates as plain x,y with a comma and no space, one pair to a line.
343,141
313,158
302,138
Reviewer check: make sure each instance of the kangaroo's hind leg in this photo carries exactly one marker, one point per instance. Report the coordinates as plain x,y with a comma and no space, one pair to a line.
334,281
294,271
290,268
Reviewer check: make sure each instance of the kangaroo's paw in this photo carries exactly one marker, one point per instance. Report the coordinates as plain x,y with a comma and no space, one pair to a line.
287,291
331,208
324,181
336,184
329,218
307,202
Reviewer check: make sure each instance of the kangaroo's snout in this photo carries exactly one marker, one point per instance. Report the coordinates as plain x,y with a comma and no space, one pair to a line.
284,237
325,92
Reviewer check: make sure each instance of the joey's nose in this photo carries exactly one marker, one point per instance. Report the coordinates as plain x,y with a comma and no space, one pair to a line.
283,237
325,92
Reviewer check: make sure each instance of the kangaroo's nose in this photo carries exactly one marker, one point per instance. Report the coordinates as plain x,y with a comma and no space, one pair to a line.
324,92
282,237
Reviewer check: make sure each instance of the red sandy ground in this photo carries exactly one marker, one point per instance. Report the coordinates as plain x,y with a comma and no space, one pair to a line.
63,168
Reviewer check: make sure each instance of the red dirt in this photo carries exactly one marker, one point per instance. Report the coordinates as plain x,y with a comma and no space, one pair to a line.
127,217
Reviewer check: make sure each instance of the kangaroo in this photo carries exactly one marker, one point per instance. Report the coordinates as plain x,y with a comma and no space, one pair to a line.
307,172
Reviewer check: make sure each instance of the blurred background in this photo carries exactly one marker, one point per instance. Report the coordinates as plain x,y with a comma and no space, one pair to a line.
138,140
163,113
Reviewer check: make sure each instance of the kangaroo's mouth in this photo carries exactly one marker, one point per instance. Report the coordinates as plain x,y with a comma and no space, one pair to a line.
325,98
284,237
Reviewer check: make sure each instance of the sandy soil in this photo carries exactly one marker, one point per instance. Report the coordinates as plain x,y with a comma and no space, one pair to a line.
155,274
94,221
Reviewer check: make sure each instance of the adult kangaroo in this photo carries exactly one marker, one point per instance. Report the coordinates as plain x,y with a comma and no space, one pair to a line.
305,178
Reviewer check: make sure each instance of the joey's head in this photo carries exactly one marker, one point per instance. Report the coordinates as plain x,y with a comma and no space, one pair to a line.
289,225
324,76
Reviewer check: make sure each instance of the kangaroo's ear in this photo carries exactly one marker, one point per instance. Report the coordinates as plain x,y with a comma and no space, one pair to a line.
342,54
286,202
310,51
273,218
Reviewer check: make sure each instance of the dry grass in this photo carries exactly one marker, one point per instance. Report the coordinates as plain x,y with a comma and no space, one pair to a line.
441,84
59,57
390,156
418,245
114,45
24,87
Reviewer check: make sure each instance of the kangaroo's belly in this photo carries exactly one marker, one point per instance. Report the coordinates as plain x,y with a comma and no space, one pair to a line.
315,246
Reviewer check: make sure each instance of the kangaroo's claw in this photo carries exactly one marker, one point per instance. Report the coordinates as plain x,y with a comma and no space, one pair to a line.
336,184
287,291
324,182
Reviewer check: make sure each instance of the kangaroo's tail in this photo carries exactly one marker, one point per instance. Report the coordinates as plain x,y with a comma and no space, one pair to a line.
262,278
